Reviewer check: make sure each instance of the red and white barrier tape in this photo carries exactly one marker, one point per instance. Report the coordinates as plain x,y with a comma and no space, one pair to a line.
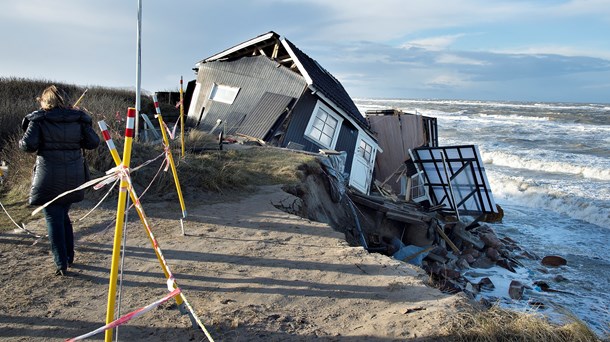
172,132
22,227
157,248
128,317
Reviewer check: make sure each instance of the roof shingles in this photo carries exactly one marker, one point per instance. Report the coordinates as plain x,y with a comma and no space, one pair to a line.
328,84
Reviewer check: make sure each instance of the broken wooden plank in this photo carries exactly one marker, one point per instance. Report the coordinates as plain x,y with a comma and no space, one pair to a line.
410,213
413,256
276,48
367,203
447,239
403,217
368,197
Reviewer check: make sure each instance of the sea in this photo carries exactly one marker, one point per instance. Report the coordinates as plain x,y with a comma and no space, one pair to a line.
548,165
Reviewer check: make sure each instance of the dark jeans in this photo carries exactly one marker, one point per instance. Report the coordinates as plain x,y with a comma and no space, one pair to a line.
60,233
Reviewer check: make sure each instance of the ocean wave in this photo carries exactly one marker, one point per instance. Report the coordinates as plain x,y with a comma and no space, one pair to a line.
515,117
597,172
526,192
497,104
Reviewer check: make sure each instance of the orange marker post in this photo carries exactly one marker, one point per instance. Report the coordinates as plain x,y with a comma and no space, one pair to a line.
118,230
170,157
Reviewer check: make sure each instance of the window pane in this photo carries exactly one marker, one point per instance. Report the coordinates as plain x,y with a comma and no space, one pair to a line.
326,140
223,93
329,130
319,124
315,133
331,122
322,115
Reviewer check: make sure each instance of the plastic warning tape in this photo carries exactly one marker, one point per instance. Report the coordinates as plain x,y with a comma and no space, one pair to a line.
128,317
170,132
151,235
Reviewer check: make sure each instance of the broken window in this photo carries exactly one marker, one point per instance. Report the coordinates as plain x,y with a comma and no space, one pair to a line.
419,191
324,126
223,93
365,150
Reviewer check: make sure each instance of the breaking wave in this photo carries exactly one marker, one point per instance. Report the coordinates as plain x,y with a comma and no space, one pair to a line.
597,172
527,193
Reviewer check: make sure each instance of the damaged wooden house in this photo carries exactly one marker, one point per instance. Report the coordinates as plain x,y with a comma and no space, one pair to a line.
269,90
416,167
397,132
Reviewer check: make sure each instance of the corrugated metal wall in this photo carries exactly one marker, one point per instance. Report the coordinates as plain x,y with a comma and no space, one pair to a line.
254,76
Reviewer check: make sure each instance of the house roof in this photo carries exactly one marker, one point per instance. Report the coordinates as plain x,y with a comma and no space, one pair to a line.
288,55
326,83
260,42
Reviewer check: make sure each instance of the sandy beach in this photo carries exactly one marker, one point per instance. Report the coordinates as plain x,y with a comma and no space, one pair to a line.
251,272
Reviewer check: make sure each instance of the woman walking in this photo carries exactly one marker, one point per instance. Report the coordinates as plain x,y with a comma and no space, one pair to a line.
57,133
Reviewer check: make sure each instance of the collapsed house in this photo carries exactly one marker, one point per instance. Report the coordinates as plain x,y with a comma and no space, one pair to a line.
268,90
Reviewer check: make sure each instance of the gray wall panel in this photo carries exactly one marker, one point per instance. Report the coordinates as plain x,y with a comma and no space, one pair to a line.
254,76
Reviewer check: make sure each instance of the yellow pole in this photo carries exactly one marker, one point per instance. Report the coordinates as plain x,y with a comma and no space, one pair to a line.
134,198
118,230
80,98
169,155
181,117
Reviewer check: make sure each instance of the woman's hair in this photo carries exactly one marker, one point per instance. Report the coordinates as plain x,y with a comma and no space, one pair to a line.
52,97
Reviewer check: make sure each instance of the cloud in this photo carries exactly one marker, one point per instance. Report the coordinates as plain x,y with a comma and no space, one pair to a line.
451,58
386,20
70,13
444,81
416,72
564,50
433,43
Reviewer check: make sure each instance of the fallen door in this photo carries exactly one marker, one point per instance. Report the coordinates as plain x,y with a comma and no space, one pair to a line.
362,165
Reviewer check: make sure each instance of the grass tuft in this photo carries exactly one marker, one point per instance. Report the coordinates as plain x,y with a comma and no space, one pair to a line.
497,324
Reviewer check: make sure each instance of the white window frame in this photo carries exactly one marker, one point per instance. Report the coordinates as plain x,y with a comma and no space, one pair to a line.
223,93
365,152
320,106
419,192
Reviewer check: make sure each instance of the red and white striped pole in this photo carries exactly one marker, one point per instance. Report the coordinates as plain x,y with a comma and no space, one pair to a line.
170,157
120,215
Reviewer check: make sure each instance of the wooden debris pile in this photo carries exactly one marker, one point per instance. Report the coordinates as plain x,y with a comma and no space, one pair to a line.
449,248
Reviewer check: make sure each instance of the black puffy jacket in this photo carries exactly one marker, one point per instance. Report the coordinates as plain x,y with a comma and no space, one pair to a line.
57,137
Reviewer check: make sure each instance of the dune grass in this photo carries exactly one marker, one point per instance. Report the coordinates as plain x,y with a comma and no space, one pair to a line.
498,324
216,171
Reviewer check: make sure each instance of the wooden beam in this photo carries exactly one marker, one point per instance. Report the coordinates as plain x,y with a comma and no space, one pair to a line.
276,48
369,204
392,215
262,52
447,239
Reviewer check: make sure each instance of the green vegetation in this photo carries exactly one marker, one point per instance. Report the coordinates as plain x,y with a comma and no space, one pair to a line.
215,170
497,324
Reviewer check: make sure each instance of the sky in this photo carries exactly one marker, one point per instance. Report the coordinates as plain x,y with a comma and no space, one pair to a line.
507,50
